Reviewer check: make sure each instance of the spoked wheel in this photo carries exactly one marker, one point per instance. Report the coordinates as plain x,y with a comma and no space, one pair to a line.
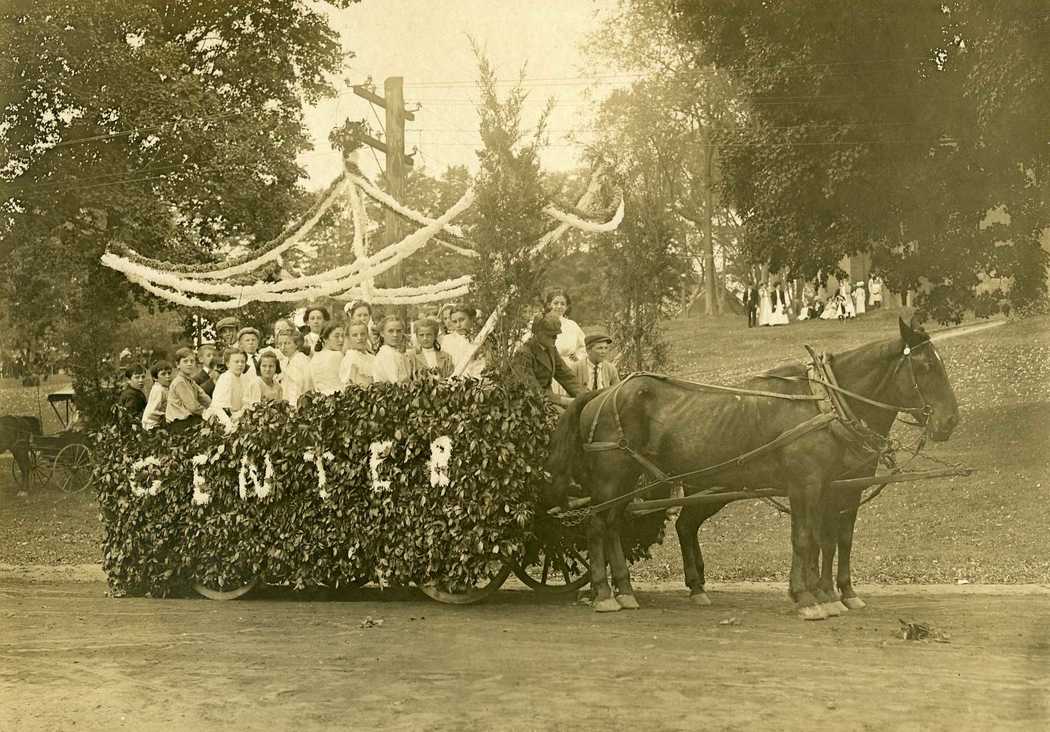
214,594
555,573
469,595
77,466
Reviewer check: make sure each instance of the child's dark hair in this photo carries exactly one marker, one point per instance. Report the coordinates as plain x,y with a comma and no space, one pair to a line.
557,292
134,370
185,353
159,366
429,324
318,308
328,330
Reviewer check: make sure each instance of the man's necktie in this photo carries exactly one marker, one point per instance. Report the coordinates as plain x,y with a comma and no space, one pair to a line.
595,377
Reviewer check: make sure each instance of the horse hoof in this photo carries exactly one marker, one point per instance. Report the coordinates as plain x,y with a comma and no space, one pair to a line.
627,602
853,603
700,598
608,605
812,612
842,608
831,609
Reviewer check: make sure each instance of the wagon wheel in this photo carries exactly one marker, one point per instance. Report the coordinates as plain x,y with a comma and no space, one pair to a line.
471,595
555,573
213,594
40,471
75,461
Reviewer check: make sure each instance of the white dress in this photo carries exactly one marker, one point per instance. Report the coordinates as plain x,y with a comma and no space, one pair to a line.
765,306
324,371
389,366
846,301
779,314
832,308
571,345
295,377
859,296
356,368
875,288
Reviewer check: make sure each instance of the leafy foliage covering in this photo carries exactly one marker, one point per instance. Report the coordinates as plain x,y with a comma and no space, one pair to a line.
408,531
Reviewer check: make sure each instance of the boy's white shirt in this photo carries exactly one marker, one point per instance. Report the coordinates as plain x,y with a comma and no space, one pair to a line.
156,395
222,398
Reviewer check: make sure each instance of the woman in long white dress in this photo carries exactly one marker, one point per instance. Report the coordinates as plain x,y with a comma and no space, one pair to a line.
765,305
859,297
779,303
570,343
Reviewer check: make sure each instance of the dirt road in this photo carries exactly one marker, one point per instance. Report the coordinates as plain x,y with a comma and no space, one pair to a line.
72,658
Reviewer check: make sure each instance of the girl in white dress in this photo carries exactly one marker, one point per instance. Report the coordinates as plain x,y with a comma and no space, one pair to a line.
357,361
328,357
295,367
390,365
779,303
765,305
571,342
359,311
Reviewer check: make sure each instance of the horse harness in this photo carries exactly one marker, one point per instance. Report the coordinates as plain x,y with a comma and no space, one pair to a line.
834,413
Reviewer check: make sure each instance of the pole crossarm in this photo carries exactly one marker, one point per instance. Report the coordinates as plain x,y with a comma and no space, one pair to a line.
371,96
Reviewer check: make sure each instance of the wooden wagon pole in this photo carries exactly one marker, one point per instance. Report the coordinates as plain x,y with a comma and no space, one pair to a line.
642,507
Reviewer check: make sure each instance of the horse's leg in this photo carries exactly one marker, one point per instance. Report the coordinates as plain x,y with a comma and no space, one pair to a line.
688,528
20,452
621,571
847,519
828,539
805,535
604,602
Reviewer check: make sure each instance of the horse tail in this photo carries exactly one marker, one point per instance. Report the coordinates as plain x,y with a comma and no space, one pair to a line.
566,457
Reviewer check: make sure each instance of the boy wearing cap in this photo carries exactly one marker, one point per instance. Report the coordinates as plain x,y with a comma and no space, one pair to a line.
537,361
596,372
227,329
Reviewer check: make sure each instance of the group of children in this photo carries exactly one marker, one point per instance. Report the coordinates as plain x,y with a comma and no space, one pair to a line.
324,357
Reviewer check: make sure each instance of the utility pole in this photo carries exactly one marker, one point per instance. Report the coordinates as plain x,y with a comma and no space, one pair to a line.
393,101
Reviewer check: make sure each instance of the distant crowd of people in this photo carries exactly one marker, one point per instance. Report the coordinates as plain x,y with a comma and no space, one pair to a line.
771,303
221,379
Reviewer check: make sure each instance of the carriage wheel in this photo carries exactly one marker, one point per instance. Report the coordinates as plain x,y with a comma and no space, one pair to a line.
555,574
213,594
75,461
469,596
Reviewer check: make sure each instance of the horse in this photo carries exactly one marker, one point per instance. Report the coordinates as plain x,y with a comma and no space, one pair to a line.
14,437
700,436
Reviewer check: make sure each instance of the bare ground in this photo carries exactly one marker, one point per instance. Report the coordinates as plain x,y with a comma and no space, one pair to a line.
73,658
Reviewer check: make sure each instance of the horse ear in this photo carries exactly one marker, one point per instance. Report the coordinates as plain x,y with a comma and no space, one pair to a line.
907,333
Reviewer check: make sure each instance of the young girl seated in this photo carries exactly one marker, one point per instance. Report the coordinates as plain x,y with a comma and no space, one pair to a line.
228,400
328,357
357,364
390,364
265,388
458,344
295,367
428,356
157,404
186,399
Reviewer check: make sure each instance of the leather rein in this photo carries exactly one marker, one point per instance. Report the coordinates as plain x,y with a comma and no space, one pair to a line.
839,412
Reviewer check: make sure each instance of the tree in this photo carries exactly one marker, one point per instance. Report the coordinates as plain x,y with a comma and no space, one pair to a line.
171,126
677,110
510,219
867,129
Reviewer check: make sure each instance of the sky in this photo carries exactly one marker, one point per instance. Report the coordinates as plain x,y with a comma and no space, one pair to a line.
427,44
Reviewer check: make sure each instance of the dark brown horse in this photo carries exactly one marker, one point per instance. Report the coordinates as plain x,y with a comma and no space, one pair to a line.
14,436
680,428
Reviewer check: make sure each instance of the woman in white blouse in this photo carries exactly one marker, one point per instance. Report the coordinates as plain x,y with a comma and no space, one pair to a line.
570,343
328,357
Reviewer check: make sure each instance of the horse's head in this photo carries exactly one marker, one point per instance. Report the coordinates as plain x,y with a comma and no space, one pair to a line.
922,382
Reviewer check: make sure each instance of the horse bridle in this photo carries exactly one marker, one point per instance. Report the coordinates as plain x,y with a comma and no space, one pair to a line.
924,411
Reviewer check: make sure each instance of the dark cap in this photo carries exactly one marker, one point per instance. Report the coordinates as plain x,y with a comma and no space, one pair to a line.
597,338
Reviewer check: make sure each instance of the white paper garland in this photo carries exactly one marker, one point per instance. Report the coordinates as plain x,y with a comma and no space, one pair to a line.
385,199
